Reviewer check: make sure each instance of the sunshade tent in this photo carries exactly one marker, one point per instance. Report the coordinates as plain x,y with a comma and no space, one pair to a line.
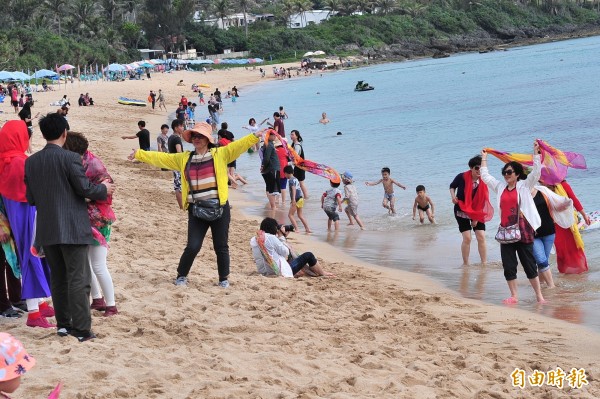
44,73
319,52
65,67
115,68
6,75
21,75
308,53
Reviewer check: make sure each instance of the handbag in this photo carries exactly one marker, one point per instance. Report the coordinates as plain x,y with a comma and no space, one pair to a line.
208,210
509,234
527,232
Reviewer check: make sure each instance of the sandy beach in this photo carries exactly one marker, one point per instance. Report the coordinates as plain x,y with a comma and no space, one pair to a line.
370,332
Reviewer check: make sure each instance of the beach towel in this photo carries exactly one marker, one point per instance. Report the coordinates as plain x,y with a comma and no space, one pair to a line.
9,247
280,266
100,212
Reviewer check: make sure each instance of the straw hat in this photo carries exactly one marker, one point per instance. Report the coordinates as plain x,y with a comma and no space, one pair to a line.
14,361
202,128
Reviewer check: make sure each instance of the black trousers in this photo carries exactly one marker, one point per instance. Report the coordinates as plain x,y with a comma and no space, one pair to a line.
509,252
196,232
70,279
10,286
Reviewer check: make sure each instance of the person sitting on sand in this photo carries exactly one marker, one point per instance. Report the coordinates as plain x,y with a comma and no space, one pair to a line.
271,253
181,83
324,120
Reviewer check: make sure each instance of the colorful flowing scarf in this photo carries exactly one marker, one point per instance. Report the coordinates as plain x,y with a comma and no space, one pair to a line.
100,212
318,169
14,141
9,247
555,163
559,189
478,207
260,240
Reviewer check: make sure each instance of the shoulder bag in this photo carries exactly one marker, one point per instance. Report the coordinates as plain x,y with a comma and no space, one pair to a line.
208,210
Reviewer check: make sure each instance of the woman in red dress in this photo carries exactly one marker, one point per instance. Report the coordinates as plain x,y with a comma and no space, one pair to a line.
570,257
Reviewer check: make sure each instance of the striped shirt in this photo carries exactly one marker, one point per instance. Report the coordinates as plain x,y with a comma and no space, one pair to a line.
202,178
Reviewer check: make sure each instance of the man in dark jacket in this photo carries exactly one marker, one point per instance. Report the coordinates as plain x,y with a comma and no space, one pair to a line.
57,186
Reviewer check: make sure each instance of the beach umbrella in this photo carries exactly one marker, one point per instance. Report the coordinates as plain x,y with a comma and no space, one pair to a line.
44,73
319,52
115,68
217,61
308,53
20,75
146,65
65,67
258,60
5,75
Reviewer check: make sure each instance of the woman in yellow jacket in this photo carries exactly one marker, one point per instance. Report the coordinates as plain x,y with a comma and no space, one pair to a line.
203,182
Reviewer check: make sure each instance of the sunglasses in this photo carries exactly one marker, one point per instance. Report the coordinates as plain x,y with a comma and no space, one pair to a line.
197,136
476,167
507,172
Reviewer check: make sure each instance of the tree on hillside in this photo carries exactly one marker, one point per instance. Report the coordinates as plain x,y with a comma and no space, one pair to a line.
222,9
111,10
288,8
364,6
81,12
333,6
301,7
163,21
386,6
56,9
245,5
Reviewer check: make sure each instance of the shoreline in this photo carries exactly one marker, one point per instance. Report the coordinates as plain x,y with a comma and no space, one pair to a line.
370,331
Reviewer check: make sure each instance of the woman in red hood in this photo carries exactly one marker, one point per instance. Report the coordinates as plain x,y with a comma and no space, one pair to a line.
35,273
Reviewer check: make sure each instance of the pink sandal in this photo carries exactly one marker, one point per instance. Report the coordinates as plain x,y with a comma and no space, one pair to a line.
510,301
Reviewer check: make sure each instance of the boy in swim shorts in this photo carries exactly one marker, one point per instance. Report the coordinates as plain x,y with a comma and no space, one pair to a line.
296,199
389,199
330,201
424,204
351,198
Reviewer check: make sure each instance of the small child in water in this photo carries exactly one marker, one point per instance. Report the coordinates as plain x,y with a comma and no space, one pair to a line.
330,201
424,204
388,189
351,198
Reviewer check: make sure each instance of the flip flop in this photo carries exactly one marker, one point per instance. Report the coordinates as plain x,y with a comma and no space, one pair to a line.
510,301
11,313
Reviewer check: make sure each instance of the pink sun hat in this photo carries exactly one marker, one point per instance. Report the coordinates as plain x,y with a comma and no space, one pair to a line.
14,360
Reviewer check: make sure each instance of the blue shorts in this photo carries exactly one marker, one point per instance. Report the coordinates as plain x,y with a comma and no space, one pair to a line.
333,215
282,183
387,196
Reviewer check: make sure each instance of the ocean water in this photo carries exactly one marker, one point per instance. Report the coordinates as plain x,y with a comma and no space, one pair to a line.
424,120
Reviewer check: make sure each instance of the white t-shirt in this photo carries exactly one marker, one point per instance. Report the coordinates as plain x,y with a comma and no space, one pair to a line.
278,252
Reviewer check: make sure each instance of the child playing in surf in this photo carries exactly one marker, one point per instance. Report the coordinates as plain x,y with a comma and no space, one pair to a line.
296,199
424,204
389,199
351,198
330,201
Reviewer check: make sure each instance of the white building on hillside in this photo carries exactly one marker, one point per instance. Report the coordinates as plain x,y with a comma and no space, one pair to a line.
309,17
228,22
